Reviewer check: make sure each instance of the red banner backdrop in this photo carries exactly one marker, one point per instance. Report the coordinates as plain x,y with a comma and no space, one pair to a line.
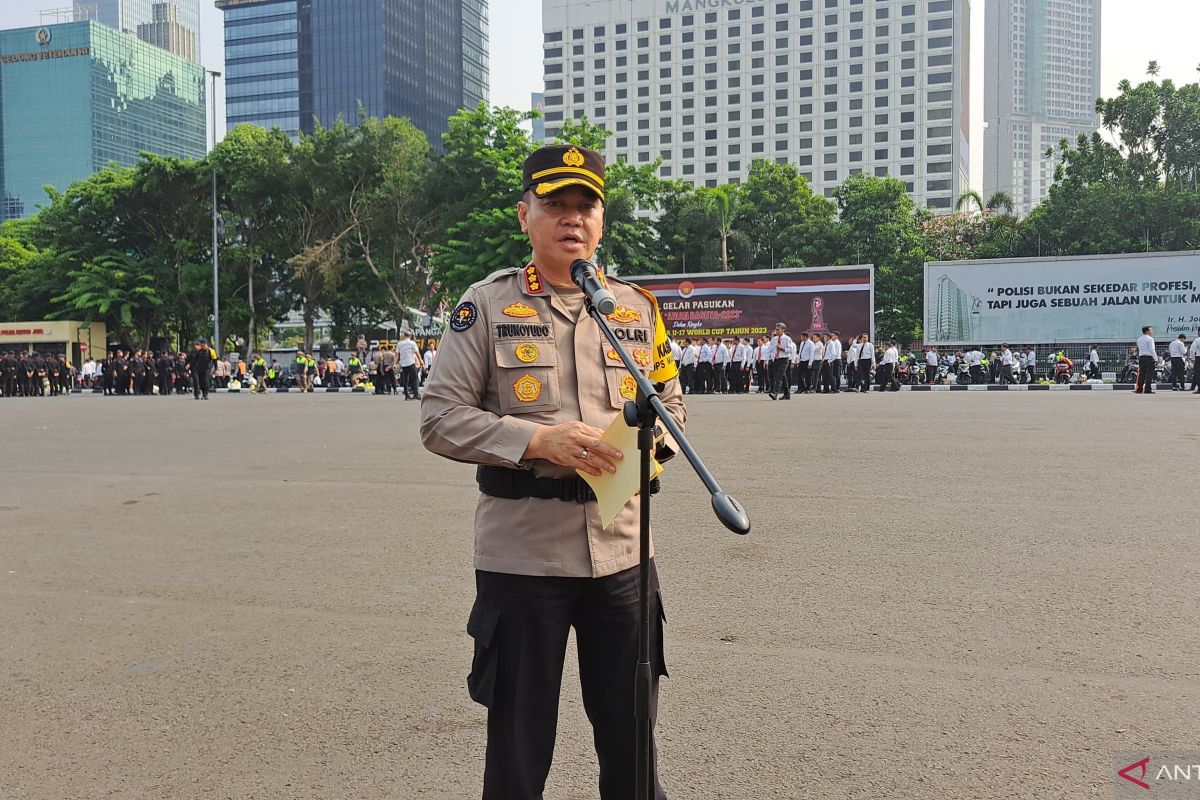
729,304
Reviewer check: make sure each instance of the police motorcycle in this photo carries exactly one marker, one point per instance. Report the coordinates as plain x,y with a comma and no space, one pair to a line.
907,372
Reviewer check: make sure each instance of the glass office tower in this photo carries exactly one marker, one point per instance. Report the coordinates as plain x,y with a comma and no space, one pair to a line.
173,25
420,59
77,96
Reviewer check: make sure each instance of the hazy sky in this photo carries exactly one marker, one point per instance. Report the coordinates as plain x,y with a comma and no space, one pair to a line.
1133,32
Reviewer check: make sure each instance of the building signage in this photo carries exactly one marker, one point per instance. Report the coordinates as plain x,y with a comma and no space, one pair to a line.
725,304
45,54
23,332
1079,299
684,6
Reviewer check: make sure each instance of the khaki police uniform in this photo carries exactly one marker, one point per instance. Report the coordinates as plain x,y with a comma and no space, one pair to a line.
520,354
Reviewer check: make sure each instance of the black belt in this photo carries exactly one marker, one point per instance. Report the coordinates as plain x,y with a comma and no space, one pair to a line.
517,484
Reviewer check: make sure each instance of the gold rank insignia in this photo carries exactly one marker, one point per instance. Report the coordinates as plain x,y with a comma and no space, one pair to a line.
533,281
641,356
629,388
527,352
573,158
625,315
520,311
613,355
527,389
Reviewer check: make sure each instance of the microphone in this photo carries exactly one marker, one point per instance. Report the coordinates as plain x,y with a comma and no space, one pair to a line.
586,277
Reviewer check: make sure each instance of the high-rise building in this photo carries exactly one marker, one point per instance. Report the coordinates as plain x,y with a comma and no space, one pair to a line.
537,102
167,32
835,87
1042,78
78,96
293,63
173,25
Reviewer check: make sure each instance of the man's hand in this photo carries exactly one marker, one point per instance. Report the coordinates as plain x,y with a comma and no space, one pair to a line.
564,444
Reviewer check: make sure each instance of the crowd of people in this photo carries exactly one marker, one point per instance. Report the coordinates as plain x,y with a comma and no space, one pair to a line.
824,362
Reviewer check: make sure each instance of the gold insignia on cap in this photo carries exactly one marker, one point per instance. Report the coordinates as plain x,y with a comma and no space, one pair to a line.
625,315
573,158
629,388
520,311
527,352
527,389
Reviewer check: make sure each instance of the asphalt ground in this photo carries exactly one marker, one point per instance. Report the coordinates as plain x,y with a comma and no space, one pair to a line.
968,595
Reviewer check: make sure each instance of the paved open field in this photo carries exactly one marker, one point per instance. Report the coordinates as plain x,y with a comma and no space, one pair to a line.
944,596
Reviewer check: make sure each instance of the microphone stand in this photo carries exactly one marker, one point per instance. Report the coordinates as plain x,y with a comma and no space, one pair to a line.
643,414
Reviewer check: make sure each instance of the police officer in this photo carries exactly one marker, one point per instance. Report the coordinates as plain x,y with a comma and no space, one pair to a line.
259,371
200,360
524,386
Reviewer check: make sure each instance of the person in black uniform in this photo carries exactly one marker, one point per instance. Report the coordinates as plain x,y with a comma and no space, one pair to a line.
183,376
166,373
121,376
137,371
8,375
66,372
200,360
53,375
108,372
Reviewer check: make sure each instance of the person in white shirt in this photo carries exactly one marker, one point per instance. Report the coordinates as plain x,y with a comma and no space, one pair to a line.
1147,361
974,358
676,351
1178,352
1031,365
852,364
804,357
931,364
687,369
816,367
866,360
887,368
408,356
781,349
721,366
1093,368
704,367
744,363
1194,354
833,363
760,364
1006,365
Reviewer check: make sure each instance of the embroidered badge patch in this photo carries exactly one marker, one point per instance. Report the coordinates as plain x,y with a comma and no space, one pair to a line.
520,311
613,355
527,353
641,356
629,388
463,317
527,389
625,315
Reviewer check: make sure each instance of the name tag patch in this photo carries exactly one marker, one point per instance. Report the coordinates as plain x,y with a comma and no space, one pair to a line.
511,330
634,335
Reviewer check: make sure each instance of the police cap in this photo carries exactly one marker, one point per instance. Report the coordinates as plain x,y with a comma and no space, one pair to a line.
549,169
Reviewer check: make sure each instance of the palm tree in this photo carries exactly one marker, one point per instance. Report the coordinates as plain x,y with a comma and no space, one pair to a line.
1000,202
722,207
963,204
1153,69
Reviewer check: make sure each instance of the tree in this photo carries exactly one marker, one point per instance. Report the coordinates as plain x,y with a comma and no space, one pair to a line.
117,290
476,184
881,225
782,220
967,199
1001,202
722,206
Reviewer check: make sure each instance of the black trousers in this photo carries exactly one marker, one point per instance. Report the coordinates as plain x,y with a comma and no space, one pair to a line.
706,378
410,378
520,625
864,374
199,383
833,376
687,377
780,383
887,378
931,373
1178,372
1145,375
1006,374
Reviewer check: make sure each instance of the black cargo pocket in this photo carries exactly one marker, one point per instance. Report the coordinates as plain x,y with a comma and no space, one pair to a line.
482,626
660,666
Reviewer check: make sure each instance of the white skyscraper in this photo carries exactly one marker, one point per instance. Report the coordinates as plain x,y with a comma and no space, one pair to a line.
835,87
1042,78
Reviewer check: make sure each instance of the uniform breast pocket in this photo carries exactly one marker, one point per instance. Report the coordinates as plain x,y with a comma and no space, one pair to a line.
621,385
527,377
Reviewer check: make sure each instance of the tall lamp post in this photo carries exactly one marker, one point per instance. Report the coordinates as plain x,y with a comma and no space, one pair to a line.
215,218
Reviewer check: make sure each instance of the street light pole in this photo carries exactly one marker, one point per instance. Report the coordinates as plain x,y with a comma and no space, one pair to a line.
216,299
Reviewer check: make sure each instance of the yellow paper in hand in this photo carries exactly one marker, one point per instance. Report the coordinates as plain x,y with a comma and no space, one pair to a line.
614,489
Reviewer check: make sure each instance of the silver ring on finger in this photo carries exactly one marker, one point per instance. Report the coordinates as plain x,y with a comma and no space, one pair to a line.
584,454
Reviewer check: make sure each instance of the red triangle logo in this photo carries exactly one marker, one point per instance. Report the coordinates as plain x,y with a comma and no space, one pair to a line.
1124,773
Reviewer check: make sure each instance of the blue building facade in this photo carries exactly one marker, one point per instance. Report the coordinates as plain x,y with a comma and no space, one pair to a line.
76,97
293,64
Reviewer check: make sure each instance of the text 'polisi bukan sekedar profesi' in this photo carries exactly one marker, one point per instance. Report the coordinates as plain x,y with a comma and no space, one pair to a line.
1149,293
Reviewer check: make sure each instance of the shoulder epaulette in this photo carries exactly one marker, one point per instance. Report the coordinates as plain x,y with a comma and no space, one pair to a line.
495,276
